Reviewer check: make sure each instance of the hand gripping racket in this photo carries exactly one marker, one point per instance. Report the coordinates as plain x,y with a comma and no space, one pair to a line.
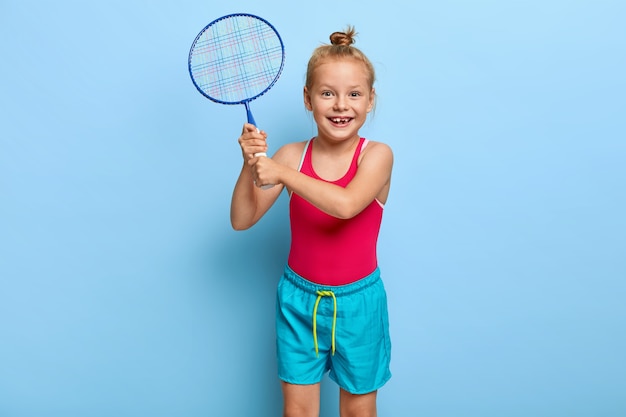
236,59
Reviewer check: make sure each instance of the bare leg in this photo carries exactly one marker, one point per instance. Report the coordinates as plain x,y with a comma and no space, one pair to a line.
357,405
301,400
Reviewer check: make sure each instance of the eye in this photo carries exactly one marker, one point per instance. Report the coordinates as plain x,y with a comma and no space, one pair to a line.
355,94
326,94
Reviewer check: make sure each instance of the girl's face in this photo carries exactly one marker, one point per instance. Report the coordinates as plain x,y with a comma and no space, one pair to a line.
340,98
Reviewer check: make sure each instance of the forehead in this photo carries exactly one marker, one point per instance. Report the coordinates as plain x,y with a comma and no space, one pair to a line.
341,70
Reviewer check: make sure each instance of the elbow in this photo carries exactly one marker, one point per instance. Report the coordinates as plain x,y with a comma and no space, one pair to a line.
346,210
347,215
239,225
344,214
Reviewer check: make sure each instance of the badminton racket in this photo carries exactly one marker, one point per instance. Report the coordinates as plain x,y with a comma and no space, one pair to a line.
236,59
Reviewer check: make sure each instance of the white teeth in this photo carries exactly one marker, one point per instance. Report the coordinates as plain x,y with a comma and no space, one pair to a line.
340,120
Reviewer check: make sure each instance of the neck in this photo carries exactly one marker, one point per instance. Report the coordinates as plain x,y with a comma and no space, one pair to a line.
348,145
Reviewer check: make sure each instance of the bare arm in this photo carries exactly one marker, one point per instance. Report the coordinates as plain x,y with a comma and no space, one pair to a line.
371,181
249,202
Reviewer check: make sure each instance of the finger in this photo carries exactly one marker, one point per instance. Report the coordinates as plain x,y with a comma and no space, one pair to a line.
253,139
252,145
254,150
248,127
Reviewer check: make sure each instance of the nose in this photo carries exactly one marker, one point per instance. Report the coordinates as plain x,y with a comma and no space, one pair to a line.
341,103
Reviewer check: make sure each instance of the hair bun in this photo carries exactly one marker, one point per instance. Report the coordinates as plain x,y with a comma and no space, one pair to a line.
343,38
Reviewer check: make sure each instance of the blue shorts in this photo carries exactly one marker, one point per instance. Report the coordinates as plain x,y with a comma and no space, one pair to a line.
341,329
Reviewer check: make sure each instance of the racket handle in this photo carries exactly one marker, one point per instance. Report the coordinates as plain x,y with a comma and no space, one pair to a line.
253,122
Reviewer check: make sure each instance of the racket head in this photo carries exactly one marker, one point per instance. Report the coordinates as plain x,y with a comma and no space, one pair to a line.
236,58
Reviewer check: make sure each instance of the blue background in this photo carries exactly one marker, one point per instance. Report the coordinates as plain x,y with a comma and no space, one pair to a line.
124,291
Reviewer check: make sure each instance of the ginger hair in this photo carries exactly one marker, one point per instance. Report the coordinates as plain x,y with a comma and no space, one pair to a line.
340,48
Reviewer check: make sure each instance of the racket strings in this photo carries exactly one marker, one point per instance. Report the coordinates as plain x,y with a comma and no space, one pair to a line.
236,59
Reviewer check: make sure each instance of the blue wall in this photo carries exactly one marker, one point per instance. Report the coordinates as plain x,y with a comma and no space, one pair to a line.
124,292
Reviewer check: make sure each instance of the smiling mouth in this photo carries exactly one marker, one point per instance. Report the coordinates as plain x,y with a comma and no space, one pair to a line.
340,121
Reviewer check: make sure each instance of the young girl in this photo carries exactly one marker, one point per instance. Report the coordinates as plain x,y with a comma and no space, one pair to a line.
331,307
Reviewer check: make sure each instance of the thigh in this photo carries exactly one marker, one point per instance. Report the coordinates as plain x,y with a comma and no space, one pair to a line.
301,400
357,405
362,358
298,363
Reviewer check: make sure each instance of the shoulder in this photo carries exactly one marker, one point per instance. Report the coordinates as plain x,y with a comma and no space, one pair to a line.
290,154
376,150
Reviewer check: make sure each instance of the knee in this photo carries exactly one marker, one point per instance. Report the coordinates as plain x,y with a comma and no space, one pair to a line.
352,405
301,400
358,412
298,410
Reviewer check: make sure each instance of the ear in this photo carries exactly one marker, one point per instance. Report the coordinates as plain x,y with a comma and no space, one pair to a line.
372,100
307,99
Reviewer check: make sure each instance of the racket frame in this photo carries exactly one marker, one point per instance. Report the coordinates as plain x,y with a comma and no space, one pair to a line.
245,101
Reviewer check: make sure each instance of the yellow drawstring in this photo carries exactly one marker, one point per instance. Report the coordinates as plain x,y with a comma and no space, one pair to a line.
321,294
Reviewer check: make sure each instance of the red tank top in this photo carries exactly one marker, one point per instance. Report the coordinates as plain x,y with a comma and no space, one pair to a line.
327,250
